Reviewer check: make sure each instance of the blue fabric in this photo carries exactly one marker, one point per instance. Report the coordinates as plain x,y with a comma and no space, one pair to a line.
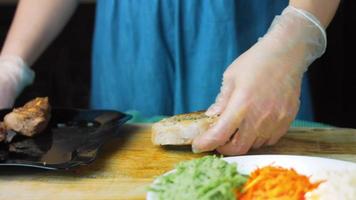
163,57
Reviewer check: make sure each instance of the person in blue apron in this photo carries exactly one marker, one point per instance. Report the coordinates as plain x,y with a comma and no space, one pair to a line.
169,56
177,56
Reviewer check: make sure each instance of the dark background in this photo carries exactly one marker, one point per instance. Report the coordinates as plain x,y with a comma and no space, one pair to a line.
63,72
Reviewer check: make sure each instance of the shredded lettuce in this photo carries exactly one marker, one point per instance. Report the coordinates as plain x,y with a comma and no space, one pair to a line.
206,178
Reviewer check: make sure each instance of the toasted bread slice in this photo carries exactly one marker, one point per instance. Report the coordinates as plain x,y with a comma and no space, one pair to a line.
181,129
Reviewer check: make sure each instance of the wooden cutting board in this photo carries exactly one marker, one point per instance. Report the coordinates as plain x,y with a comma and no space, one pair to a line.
127,165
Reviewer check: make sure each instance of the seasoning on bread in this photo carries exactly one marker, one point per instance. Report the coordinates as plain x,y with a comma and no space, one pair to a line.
181,129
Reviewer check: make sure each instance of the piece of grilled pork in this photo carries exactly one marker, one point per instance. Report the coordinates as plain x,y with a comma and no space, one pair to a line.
30,119
3,131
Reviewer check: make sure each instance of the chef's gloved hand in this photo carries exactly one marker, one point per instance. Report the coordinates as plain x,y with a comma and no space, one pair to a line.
259,97
15,75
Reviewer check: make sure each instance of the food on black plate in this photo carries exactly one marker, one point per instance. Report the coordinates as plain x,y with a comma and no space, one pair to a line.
2,132
29,147
30,119
10,135
3,151
21,126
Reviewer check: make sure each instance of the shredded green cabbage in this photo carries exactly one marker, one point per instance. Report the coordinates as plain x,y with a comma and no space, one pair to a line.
206,178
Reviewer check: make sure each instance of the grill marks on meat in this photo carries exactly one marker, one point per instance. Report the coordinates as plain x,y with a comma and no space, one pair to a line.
20,125
30,119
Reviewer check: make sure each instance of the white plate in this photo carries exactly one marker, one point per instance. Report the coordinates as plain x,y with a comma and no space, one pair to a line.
307,165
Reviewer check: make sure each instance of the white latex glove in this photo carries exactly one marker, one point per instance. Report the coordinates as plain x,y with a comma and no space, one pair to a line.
15,75
260,93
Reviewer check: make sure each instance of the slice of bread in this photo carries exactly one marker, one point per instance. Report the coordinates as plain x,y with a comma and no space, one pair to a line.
181,129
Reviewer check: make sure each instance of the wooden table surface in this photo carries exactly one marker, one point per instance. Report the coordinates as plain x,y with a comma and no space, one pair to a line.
127,165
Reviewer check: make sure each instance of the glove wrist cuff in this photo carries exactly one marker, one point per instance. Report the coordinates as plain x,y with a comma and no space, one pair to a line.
297,35
308,16
17,70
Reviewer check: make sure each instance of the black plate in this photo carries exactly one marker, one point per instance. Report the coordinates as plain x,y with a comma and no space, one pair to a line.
72,138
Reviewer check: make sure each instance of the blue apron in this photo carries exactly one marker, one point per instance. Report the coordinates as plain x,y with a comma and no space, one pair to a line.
163,57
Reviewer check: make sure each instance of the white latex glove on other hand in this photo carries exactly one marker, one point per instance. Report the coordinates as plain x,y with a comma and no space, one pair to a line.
15,75
259,97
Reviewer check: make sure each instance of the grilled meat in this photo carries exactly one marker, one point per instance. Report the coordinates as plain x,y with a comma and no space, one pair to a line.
30,119
3,132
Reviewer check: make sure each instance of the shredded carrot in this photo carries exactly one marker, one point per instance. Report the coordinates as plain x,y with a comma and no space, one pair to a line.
276,183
